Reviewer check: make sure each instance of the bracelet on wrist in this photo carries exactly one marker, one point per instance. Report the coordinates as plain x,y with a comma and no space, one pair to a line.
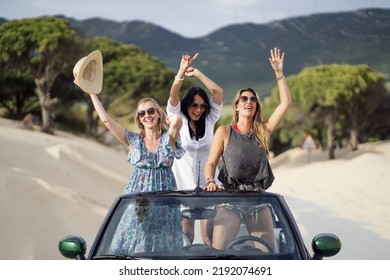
179,79
280,77
209,181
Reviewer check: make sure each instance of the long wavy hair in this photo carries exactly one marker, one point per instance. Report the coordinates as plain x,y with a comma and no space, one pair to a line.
186,102
162,121
258,127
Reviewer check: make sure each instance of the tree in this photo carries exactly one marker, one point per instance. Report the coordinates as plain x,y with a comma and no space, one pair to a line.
332,96
363,93
44,46
17,93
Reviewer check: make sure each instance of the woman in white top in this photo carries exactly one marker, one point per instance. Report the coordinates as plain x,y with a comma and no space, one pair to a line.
200,114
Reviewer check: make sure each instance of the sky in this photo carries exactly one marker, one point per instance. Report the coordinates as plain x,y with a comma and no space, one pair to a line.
190,19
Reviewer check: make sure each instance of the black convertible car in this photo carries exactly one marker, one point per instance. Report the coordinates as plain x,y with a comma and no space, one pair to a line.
142,225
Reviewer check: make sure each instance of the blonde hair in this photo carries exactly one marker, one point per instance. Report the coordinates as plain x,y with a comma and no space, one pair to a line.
162,122
258,127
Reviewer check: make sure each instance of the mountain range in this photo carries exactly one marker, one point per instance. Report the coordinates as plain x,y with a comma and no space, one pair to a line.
236,56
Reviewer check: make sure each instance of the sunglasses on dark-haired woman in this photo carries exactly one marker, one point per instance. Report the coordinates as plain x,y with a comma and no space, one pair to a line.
203,106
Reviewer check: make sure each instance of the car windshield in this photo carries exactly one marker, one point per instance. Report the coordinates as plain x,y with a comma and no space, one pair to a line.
149,226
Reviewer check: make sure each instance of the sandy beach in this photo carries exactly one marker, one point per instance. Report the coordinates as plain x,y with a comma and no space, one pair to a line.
55,185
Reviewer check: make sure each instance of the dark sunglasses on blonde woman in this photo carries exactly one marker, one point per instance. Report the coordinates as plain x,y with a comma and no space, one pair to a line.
150,111
244,98
203,106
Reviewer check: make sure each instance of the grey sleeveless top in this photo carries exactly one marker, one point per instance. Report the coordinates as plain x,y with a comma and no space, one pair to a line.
244,163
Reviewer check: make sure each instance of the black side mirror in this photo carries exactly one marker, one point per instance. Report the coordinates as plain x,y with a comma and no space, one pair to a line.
73,247
325,245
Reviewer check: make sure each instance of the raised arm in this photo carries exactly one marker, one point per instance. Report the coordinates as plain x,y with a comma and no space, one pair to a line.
216,90
185,62
115,128
175,122
277,60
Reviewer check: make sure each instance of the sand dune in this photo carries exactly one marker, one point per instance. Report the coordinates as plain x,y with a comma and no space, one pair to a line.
52,186
348,196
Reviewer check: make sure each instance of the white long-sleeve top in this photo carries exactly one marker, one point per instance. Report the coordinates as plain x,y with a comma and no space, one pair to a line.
190,168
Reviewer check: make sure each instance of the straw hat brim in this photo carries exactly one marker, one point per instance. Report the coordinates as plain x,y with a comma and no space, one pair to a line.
88,73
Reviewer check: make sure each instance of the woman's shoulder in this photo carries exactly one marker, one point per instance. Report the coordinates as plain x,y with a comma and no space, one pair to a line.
132,133
215,110
132,136
225,126
165,137
173,109
178,151
223,129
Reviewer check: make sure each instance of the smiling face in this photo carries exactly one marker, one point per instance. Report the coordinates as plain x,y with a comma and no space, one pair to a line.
197,108
148,115
247,103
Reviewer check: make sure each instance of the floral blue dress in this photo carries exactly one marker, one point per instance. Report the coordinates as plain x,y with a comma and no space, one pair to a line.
144,227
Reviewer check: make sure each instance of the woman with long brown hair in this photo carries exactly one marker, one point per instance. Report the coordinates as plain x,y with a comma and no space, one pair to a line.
244,147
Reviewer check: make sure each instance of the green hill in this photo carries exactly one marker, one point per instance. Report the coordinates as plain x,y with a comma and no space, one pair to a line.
237,55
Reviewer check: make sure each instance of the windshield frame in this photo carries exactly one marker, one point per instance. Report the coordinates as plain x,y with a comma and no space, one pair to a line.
206,200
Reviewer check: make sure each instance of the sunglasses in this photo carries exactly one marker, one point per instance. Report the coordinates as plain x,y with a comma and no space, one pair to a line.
203,106
150,111
244,98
